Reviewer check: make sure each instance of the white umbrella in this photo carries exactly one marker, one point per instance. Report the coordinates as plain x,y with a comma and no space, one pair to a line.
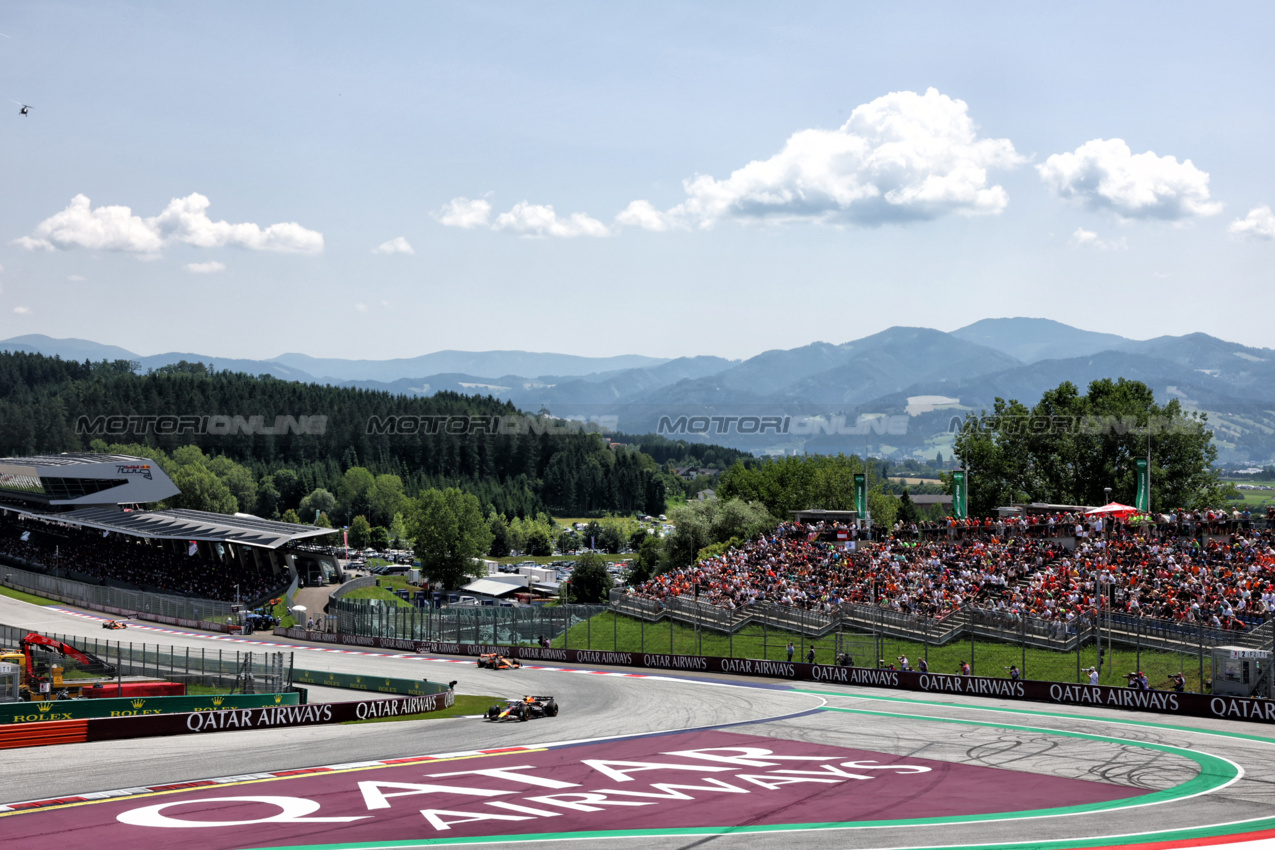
298,608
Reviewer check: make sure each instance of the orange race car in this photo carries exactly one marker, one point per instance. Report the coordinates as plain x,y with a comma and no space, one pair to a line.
496,661
114,624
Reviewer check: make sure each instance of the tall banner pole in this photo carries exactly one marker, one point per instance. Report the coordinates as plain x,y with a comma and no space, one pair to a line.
1143,500
861,497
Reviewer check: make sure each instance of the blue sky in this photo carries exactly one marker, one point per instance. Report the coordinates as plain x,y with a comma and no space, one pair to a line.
220,178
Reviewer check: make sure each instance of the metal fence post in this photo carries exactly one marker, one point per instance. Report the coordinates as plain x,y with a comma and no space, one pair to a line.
1201,654
1138,667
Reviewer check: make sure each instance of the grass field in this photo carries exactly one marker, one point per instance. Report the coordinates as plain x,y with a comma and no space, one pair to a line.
465,706
27,597
608,631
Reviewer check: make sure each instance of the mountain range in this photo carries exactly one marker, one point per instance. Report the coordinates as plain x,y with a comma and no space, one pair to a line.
893,393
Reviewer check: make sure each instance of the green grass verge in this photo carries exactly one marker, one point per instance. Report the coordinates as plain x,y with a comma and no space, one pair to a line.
465,705
27,597
612,632
283,615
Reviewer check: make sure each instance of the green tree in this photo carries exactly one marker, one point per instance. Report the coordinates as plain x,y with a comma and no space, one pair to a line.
907,508
398,531
699,524
318,501
379,538
360,532
539,543
355,491
386,497
1069,447
590,580
647,562
450,532
290,516
499,536
202,491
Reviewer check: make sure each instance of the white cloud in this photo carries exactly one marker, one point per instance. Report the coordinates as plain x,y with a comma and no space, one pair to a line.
75,278
1104,174
643,214
541,220
361,307
205,268
462,212
1088,239
1257,226
397,245
22,311
184,220
903,157
525,218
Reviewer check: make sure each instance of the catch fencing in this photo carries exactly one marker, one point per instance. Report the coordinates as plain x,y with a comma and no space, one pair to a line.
221,670
462,623
115,600
989,641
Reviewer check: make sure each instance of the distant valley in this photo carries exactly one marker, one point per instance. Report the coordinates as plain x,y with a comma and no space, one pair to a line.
894,393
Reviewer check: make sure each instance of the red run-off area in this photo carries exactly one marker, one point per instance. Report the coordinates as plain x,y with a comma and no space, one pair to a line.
692,779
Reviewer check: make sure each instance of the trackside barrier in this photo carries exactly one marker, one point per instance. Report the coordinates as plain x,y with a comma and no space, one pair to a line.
267,717
45,711
188,612
1058,693
407,687
43,734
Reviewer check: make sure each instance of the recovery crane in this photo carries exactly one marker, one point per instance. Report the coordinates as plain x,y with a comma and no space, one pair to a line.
41,686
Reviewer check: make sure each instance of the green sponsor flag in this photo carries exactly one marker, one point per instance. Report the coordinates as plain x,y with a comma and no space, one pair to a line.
861,494
1143,500
960,495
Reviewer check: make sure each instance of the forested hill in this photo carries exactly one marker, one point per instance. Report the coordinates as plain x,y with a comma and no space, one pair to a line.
515,465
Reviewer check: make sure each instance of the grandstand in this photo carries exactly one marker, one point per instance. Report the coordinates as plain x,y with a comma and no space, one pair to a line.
84,517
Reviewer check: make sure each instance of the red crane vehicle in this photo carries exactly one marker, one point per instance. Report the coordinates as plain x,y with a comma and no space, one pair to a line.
42,681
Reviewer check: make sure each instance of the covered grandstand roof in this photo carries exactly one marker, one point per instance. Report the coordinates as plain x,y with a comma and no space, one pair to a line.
83,479
179,524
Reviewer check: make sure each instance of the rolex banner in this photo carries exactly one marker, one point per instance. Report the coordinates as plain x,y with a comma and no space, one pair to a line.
960,495
1143,500
861,494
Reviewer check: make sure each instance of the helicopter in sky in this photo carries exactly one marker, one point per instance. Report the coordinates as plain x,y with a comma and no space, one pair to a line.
25,110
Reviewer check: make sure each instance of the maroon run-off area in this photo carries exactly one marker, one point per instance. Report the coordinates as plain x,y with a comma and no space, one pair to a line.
692,779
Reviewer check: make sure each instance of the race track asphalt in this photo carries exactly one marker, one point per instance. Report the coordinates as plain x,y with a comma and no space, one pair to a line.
1191,775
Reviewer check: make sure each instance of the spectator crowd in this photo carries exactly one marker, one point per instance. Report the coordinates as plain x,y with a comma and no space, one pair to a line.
146,565
1213,568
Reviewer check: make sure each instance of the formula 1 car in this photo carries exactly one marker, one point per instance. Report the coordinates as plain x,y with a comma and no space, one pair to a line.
524,709
114,624
496,661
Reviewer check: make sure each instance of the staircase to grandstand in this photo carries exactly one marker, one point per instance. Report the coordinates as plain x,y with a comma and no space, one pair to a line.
968,620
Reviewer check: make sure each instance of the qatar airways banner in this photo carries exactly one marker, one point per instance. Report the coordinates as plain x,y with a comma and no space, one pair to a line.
266,717
1061,693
